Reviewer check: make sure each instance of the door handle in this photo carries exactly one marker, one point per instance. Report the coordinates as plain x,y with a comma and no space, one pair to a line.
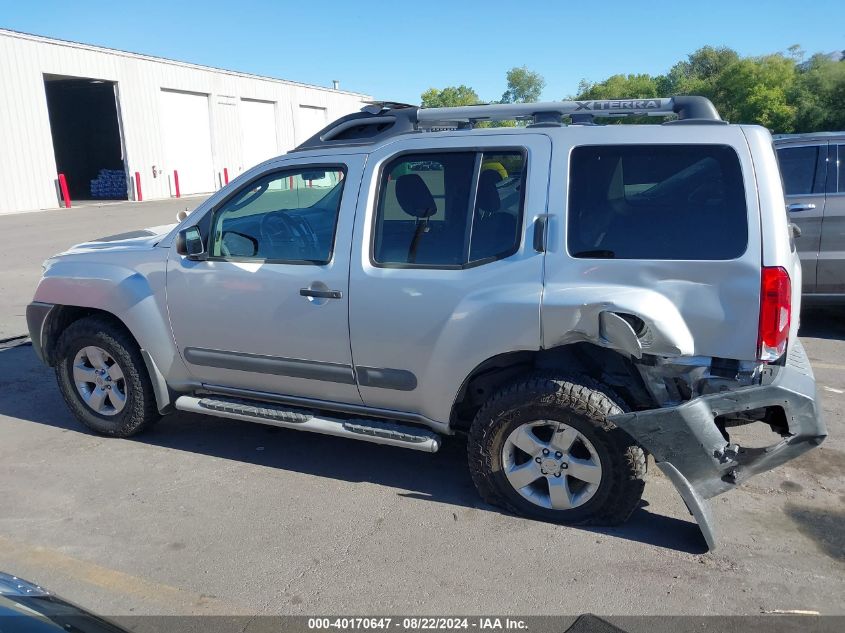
541,229
800,206
321,294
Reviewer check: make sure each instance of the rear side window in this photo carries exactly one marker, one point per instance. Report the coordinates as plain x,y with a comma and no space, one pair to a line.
449,209
840,164
656,202
803,169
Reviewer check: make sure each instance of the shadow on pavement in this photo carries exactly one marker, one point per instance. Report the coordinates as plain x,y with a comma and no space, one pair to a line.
826,528
28,392
825,323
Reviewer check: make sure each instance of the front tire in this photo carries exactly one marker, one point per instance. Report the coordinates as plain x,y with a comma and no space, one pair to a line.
103,379
543,447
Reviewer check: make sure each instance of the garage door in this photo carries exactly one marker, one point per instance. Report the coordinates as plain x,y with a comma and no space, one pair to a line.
310,121
187,140
258,123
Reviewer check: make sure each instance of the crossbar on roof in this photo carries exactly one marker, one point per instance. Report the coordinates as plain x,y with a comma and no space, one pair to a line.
382,119
684,107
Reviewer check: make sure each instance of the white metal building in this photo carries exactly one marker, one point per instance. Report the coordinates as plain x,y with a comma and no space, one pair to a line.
123,125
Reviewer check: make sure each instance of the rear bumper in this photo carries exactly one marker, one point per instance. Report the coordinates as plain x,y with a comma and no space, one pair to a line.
692,452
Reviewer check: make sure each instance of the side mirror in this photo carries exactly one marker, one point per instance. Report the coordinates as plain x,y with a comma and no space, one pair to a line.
189,243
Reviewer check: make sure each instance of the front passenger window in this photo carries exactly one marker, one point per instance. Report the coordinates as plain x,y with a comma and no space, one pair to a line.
287,217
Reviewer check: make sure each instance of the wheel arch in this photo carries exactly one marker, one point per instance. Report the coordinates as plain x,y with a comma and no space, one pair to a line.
61,317
607,366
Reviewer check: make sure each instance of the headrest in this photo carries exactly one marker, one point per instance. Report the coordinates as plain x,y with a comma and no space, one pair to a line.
414,197
488,196
500,222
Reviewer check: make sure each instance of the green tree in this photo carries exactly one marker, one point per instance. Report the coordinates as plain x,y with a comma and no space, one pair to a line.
620,87
755,90
818,95
450,96
779,91
524,86
796,53
698,73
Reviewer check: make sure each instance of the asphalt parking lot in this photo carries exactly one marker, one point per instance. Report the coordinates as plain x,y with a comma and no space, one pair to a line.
203,515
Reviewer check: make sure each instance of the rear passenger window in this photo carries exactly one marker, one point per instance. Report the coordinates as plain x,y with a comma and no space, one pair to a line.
449,209
656,202
803,169
840,164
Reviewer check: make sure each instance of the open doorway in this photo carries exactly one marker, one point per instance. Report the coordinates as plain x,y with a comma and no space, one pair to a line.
87,143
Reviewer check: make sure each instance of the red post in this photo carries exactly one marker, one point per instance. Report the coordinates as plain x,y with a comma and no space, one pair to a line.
226,175
310,183
138,196
63,187
290,182
176,183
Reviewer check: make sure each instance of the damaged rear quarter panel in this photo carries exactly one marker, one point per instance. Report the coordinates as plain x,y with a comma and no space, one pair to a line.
701,308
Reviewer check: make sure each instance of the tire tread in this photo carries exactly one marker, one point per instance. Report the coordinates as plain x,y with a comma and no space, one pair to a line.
141,412
581,395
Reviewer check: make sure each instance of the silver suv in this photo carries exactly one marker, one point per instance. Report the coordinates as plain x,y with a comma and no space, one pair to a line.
813,169
571,296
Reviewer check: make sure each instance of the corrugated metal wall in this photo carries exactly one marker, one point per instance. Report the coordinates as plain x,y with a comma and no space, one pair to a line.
27,162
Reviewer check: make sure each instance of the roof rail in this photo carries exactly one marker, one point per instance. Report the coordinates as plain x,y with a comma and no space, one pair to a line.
379,120
376,121
687,108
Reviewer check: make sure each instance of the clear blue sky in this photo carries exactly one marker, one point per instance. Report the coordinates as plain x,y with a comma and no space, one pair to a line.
395,50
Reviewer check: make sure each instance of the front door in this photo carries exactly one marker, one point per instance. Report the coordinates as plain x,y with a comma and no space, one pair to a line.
266,309
804,172
831,275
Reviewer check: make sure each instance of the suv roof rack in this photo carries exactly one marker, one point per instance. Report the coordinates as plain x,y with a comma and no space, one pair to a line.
379,120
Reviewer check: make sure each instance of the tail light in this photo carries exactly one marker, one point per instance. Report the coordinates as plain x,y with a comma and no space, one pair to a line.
775,313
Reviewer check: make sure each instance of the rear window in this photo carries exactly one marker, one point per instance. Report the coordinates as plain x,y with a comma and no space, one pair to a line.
656,202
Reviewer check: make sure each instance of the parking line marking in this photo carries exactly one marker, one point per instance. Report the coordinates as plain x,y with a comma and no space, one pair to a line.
826,388
23,555
816,364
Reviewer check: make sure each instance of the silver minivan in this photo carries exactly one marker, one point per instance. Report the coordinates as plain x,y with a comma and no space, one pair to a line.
813,170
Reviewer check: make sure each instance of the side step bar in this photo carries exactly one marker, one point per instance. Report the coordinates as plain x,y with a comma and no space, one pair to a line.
369,430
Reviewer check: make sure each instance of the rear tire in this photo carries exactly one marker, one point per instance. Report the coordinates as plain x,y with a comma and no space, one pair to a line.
543,447
103,378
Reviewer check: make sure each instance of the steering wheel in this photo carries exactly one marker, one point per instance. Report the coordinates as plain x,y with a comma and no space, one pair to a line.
288,234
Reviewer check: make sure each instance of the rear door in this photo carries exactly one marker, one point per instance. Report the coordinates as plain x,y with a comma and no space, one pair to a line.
831,267
803,167
654,223
444,274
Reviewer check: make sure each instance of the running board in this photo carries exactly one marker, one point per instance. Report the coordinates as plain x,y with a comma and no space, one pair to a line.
368,430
